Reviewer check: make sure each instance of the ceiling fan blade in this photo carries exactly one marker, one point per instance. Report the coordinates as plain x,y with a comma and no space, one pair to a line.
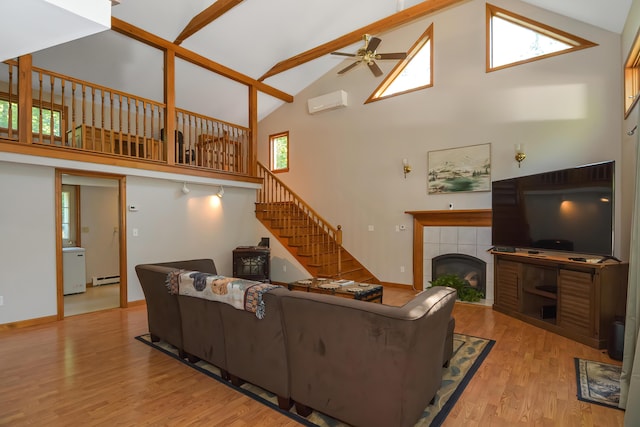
343,54
397,55
344,70
375,69
373,44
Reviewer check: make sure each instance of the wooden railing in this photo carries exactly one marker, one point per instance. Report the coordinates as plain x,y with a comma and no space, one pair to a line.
73,114
211,143
284,208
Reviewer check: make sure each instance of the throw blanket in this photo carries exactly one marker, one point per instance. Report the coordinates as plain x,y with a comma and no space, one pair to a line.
240,293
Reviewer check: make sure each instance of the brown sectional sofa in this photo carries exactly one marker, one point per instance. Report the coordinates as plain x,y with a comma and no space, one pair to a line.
244,347
363,363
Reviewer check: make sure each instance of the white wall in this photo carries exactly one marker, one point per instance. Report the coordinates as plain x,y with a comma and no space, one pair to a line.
171,226
629,142
99,223
27,242
347,163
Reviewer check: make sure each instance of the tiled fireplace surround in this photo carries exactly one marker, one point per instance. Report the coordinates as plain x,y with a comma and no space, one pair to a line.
442,232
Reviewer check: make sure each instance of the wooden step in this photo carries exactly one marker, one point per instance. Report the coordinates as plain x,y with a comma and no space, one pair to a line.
293,232
317,250
290,222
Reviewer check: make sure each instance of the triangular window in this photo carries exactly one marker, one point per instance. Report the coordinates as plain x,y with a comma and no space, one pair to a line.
412,73
514,39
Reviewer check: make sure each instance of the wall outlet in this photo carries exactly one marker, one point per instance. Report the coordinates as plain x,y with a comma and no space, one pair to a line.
371,228
402,269
136,233
284,268
397,228
1,300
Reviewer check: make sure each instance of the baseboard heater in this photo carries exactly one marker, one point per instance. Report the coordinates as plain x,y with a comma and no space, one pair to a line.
105,280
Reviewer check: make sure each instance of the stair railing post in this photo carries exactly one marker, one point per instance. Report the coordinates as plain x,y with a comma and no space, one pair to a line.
339,243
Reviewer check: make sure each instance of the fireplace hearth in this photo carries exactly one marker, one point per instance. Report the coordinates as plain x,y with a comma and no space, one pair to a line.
467,267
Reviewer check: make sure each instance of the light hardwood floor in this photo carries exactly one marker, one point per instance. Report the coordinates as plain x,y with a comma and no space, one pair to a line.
88,370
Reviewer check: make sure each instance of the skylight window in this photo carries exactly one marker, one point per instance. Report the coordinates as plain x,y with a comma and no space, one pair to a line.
514,39
412,73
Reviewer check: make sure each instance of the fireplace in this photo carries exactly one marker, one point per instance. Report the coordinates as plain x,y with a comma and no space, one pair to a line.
467,267
464,231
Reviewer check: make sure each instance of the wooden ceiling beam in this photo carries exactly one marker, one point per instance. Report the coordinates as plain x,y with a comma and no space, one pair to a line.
206,17
150,39
395,20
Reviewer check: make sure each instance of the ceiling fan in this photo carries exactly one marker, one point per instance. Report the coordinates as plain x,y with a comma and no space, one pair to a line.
368,55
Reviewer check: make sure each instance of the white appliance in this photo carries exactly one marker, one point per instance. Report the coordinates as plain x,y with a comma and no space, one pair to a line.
74,270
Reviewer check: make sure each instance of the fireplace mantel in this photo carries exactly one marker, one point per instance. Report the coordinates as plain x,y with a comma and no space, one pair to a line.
448,218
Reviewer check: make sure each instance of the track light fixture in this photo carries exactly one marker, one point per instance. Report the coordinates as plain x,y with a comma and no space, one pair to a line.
185,189
220,192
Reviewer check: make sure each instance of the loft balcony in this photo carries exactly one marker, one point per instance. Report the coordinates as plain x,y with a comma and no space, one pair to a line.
48,114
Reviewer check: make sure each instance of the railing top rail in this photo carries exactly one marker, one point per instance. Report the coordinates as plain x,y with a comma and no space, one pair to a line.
202,116
299,200
97,86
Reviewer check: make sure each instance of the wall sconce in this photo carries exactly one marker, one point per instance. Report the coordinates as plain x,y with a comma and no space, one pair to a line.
185,189
220,192
406,168
520,156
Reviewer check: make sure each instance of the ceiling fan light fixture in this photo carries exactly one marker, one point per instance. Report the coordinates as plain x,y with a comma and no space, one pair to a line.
368,55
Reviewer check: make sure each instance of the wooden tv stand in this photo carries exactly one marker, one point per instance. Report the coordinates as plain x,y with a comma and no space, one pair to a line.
576,299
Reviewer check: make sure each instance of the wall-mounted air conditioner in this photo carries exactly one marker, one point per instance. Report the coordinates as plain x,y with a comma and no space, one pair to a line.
330,101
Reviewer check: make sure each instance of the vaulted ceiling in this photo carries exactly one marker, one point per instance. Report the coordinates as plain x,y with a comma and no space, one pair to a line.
252,37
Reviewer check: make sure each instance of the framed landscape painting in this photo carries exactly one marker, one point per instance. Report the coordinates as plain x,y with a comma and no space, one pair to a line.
457,170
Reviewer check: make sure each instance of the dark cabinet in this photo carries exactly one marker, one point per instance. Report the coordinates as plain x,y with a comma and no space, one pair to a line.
506,287
576,299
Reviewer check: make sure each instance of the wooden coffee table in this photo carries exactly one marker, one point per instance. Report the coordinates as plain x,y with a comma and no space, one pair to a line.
360,291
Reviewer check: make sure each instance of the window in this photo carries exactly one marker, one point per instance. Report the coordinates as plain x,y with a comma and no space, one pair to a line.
37,116
279,152
632,78
70,216
513,39
412,73
66,215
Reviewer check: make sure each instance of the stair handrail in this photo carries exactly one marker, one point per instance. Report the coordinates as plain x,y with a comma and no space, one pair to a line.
297,199
267,195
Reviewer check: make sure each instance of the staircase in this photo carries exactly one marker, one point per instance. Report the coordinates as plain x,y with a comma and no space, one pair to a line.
310,239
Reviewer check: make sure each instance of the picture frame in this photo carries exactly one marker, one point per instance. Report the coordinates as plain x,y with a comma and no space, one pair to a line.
459,170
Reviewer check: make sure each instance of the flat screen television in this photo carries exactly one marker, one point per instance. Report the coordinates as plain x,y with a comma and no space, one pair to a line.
565,210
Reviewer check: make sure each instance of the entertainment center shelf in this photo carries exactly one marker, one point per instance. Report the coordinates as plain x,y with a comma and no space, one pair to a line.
576,299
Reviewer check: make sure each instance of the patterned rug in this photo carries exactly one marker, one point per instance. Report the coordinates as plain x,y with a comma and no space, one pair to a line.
469,353
598,382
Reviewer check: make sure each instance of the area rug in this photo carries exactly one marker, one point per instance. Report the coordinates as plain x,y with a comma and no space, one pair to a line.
598,382
468,354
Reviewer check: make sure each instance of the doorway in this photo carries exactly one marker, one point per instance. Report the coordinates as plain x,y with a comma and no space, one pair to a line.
90,242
